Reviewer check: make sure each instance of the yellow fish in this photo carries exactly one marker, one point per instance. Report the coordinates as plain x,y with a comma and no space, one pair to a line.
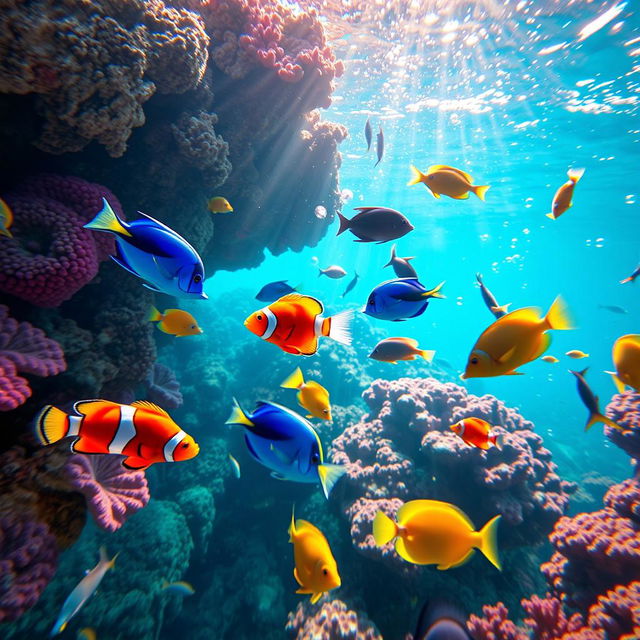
626,360
316,570
550,359
6,219
311,395
219,205
515,339
175,322
441,179
563,199
576,354
86,634
434,532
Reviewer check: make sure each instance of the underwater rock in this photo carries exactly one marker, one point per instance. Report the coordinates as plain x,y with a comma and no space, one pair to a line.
24,349
163,388
113,493
199,509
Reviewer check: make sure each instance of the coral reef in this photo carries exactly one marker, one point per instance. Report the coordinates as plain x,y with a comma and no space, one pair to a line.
113,493
403,449
624,408
330,620
24,349
163,388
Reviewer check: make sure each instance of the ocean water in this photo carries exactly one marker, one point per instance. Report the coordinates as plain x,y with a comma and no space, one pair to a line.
516,94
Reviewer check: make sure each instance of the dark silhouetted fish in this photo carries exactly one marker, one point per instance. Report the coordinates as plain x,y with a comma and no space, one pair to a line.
614,308
368,134
490,300
351,285
274,291
401,266
379,146
441,621
375,224
632,277
590,401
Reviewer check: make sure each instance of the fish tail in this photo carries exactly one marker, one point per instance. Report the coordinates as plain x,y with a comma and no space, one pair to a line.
344,223
330,474
238,416
384,529
497,439
154,315
596,417
292,526
392,258
625,280
504,308
107,220
488,544
416,176
427,355
435,292
5,232
620,386
104,558
481,191
550,215
575,175
294,381
340,326
52,424
479,278
558,315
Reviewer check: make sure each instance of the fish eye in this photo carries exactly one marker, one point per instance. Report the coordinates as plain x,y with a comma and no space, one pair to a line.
185,445
325,572
259,316
193,326
197,278
315,457
325,411
474,360
371,300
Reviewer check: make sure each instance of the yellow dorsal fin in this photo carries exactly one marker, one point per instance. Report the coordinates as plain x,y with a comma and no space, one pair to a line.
527,313
445,167
305,525
145,404
314,306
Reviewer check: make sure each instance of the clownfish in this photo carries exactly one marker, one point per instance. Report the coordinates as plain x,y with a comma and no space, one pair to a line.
295,322
477,432
141,431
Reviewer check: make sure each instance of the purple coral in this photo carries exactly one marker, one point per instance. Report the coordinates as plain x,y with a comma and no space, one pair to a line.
113,493
24,349
28,560
624,408
163,388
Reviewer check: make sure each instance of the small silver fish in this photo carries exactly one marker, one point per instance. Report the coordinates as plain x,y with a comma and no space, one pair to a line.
490,300
400,265
379,146
351,285
335,272
235,465
368,133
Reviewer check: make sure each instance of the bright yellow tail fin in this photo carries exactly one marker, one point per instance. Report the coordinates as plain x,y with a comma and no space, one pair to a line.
238,416
417,176
558,315
435,292
52,424
154,315
107,220
294,381
489,541
384,529
427,355
481,191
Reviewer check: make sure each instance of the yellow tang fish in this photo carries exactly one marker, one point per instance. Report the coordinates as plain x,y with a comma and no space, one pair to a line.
6,219
311,395
576,354
219,205
550,359
563,199
626,360
316,570
515,339
86,634
175,322
434,532
441,179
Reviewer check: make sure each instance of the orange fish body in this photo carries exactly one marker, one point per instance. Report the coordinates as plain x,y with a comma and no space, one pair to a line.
563,199
295,322
141,431
477,433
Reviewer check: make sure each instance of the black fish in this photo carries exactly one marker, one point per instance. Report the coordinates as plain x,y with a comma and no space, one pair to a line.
351,285
490,300
590,400
400,265
375,224
633,276
368,134
379,146
274,291
441,621
614,308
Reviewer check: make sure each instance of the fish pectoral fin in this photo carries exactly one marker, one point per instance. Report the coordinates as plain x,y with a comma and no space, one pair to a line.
137,464
465,196
506,355
150,286
283,457
163,269
295,575
316,596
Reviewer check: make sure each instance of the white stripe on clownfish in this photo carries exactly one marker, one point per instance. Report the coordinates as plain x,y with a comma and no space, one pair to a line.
461,425
272,323
317,325
126,430
170,447
74,425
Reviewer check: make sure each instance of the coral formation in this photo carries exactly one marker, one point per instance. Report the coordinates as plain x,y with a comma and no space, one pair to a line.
113,493
24,349
624,409
163,388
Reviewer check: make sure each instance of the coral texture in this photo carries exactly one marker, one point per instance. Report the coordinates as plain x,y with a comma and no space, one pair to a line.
24,349
624,408
113,493
163,388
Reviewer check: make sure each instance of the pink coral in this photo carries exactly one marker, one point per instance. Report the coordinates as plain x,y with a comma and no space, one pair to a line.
495,625
624,408
24,349
404,449
331,621
113,493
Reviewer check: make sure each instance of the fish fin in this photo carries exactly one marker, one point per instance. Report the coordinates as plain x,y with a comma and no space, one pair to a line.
435,194
154,315
416,176
88,407
329,474
340,326
107,220
483,445
294,381
238,416
344,223
427,355
506,355
316,596
384,529
252,451
481,191
303,591
366,239
464,196
163,269
402,551
278,476
291,349
150,286
498,440
575,175
52,425
435,292
136,464
309,415
625,280
488,543
558,315
120,261
5,232
467,556
295,574
514,373
292,532
392,258
620,386
145,404
283,457
596,417
313,305
503,308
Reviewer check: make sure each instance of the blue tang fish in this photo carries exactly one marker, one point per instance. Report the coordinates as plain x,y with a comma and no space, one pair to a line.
400,299
274,291
286,443
154,252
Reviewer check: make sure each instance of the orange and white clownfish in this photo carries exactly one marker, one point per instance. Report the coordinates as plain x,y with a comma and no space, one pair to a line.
141,431
477,432
295,322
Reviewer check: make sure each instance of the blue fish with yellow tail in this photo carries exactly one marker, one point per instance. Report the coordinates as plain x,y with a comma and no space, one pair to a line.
155,253
82,592
286,443
400,299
